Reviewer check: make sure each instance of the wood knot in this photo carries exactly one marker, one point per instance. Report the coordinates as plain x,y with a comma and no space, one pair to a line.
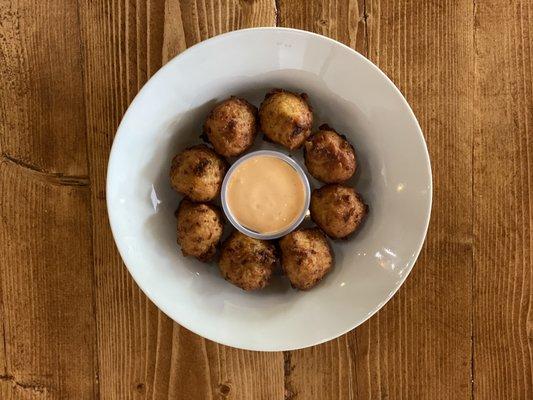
140,388
224,389
289,395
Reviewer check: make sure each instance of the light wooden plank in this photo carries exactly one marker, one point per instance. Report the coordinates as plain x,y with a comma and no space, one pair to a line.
503,152
46,286
143,353
342,20
41,96
419,345
48,331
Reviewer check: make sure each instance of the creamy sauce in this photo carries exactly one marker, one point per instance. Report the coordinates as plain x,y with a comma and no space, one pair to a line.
265,194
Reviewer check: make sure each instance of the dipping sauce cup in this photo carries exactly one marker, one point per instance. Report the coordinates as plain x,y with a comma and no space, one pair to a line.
265,194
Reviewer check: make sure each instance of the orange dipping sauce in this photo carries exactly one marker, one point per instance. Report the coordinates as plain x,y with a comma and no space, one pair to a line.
265,194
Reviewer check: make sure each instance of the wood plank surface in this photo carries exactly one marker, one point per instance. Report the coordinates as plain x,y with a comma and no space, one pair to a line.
419,345
503,199
48,346
76,326
48,324
142,353
42,112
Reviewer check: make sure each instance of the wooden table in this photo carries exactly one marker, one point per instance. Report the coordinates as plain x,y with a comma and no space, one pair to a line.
75,325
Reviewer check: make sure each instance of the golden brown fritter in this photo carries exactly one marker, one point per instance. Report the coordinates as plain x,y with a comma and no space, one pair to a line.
247,262
329,157
199,229
286,118
231,126
197,173
306,257
337,209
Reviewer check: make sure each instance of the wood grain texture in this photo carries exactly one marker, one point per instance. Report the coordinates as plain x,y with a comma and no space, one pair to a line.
142,353
503,199
342,20
76,326
419,345
48,324
41,96
48,348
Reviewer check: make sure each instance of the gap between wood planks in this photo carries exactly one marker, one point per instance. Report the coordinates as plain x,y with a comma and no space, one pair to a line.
473,266
54,178
29,386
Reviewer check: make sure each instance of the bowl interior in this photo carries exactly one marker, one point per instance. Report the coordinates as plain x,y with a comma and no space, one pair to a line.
347,92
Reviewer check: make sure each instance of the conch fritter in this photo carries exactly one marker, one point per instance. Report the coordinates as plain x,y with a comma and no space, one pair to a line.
199,229
337,209
247,262
286,118
306,257
231,126
329,157
197,173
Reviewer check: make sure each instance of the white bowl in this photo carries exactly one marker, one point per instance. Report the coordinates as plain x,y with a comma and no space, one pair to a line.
346,91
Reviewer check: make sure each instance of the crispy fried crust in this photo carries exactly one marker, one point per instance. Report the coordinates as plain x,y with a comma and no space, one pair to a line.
200,227
247,262
231,126
286,118
197,173
337,209
306,257
329,157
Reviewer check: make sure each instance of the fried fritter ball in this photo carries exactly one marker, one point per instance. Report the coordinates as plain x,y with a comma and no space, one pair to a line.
199,229
286,118
231,126
197,173
329,157
247,262
306,257
337,209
